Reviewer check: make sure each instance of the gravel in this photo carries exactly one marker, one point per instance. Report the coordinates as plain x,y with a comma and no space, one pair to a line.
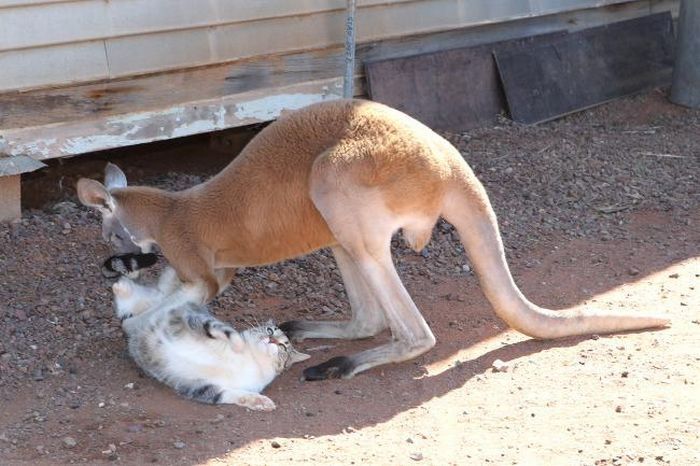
579,177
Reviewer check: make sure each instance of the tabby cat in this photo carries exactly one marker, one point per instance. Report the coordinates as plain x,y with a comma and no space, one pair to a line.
199,356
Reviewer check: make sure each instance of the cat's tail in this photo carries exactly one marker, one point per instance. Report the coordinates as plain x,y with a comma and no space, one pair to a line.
205,393
212,394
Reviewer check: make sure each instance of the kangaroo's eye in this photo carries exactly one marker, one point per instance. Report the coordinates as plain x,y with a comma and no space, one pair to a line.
270,331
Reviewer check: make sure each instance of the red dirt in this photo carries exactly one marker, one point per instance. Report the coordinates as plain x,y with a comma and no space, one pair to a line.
612,400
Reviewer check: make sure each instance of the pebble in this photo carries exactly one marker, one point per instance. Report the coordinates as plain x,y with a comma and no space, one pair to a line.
219,418
500,366
633,271
179,445
69,442
134,428
275,444
416,456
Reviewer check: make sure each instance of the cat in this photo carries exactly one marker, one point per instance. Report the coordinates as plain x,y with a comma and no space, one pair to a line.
202,358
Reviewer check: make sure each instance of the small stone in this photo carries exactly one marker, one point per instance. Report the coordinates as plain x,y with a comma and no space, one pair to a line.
100,404
134,428
674,275
219,418
625,374
409,440
416,456
129,386
633,271
618,409
179,445
500,366
74,404
69,442
275,444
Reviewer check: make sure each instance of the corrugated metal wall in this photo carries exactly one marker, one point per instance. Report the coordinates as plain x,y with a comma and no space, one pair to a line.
52,42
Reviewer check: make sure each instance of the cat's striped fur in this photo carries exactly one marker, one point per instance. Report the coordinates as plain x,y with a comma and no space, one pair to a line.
201,357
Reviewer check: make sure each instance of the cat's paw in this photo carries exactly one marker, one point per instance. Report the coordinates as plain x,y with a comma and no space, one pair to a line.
256,402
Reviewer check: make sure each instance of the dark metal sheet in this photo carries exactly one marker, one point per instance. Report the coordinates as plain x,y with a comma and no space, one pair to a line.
586,68
453,89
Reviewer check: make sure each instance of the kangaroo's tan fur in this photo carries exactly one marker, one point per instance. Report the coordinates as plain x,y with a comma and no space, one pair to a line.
347,175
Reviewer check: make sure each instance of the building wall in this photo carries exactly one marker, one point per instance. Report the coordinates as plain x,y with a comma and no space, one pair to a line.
54,42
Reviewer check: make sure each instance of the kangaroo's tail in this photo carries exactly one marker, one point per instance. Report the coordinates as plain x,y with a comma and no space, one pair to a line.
466,206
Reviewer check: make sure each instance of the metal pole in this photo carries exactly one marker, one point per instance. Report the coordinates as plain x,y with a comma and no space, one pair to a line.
685,89
349,51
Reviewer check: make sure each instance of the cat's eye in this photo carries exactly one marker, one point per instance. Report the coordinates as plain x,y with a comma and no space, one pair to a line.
270,331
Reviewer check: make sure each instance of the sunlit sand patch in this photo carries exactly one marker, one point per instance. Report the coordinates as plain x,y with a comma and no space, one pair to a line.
640,295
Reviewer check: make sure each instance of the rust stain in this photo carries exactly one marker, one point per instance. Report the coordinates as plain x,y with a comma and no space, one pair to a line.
111,90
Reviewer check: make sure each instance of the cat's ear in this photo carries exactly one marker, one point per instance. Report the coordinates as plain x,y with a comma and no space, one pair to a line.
297,356
114,177
94,194
123,288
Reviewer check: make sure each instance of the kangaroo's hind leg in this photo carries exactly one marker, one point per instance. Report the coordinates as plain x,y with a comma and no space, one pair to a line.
367,316
363,226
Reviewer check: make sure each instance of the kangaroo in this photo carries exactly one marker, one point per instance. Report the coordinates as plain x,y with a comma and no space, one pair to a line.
344,174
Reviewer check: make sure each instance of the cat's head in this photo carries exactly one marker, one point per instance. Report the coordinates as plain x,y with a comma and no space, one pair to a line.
268,340
131,298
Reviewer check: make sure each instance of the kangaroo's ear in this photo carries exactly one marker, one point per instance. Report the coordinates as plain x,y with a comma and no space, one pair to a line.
114,177
93,194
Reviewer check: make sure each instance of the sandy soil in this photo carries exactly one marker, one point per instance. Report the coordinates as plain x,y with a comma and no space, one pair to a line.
66,393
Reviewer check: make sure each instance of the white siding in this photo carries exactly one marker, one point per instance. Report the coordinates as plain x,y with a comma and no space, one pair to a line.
45,42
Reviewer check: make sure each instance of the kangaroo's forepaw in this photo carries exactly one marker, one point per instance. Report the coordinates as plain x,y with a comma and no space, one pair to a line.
294,329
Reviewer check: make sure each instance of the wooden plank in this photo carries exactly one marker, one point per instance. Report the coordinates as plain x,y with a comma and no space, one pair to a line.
185,119
16,165
10,198
454,89
587,68
659,6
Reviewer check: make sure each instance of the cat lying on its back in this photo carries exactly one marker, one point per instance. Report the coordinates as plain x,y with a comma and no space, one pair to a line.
199,356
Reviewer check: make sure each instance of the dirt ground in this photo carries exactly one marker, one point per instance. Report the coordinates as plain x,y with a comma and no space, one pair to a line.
599,209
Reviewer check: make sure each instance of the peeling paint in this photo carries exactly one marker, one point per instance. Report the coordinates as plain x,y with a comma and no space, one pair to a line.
84,136
270,107
40,147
